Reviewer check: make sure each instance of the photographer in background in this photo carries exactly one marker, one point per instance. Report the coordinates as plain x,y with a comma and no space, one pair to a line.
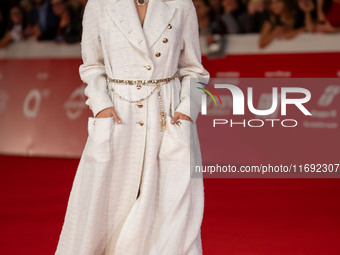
257,13
328,16
208,23
235,16
17,29
307,14
282,22
69,28
43,23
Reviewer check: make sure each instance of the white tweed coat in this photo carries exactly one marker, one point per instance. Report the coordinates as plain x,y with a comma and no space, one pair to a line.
104,215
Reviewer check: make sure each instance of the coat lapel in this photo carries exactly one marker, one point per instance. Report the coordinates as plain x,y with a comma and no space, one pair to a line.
157,20
124,14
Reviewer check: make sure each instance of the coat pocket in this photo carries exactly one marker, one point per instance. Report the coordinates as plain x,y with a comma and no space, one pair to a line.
99,134
176,142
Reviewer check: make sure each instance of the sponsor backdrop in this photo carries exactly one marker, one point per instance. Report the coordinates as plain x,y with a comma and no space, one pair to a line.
42,109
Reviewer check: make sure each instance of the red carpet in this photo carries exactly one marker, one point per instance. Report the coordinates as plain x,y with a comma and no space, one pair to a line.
242,216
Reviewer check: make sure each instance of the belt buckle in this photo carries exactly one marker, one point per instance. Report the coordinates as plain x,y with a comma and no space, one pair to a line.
138,84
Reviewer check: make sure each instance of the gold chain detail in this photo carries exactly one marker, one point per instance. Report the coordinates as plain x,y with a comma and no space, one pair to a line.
138,83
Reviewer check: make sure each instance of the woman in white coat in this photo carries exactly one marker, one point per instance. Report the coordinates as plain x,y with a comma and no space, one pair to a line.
134,192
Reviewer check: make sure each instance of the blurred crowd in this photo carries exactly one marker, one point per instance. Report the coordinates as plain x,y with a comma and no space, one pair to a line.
58,20
61,20
271,18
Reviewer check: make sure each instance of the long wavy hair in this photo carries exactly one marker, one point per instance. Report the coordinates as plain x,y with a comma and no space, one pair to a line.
23,15
290,9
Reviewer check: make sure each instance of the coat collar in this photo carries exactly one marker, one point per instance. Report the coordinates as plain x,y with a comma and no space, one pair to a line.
124,14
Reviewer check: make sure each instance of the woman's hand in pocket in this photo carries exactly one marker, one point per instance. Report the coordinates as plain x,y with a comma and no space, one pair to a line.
179,115
109,112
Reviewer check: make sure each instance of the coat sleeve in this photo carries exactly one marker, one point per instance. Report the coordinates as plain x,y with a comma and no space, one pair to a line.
191,70
92,71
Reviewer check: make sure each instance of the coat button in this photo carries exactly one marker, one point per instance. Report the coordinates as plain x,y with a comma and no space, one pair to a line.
141,123
158,54
165,40
148,67
169,26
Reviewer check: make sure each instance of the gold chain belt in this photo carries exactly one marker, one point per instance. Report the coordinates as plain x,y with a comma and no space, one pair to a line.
139,83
